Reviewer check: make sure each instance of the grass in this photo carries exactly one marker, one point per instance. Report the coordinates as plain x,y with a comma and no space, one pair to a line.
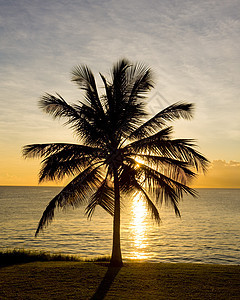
95,280
19,256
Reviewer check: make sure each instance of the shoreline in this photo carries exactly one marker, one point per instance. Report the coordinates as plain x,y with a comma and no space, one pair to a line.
21,255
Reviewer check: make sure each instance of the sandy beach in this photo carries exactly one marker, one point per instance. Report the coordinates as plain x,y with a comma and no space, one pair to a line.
91,280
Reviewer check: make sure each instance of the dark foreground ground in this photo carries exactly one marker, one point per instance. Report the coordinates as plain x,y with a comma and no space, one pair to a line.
89,280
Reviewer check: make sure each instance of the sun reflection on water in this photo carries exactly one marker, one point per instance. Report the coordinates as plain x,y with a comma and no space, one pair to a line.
139,229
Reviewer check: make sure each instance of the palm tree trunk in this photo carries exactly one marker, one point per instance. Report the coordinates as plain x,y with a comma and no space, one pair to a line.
116,259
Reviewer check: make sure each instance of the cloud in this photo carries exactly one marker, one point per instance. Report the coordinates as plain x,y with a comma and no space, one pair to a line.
221,174
191,45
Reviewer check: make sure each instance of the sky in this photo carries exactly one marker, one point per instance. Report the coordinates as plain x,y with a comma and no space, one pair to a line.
192,47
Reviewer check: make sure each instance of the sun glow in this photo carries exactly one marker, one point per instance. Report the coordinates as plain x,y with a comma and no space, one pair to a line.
139,213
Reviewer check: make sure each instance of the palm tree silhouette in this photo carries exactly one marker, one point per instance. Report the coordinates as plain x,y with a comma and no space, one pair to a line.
121,150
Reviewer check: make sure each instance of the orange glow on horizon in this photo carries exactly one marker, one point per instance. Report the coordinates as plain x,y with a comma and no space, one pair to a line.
21,172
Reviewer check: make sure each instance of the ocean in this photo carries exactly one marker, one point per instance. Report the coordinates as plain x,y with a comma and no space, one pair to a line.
207,232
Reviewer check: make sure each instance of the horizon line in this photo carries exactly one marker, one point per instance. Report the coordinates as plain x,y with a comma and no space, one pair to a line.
62,186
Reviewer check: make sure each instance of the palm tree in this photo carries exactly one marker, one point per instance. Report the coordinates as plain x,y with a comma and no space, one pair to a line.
121,151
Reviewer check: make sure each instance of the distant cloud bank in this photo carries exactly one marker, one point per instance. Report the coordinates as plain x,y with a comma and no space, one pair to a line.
221,174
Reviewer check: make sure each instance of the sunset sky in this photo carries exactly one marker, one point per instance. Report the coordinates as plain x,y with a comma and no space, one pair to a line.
192,46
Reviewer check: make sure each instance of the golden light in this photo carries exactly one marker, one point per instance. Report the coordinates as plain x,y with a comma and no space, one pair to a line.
139,228
138,162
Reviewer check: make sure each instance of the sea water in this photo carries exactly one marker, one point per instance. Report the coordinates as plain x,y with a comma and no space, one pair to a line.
207,232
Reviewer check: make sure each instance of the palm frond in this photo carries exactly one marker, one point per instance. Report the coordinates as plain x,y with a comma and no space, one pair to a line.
140,78
160,144
58,107
125,96
119,86
74,194
175,111
126,178
172,167
70,150
149,144
108,101
129,119
104,196
183,149
84,77
55,169
160,186
93,131
150,205
165,188
130,183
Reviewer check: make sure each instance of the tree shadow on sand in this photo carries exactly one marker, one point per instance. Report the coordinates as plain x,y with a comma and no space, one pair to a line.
106,283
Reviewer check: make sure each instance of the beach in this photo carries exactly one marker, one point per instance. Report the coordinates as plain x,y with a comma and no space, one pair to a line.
92,280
